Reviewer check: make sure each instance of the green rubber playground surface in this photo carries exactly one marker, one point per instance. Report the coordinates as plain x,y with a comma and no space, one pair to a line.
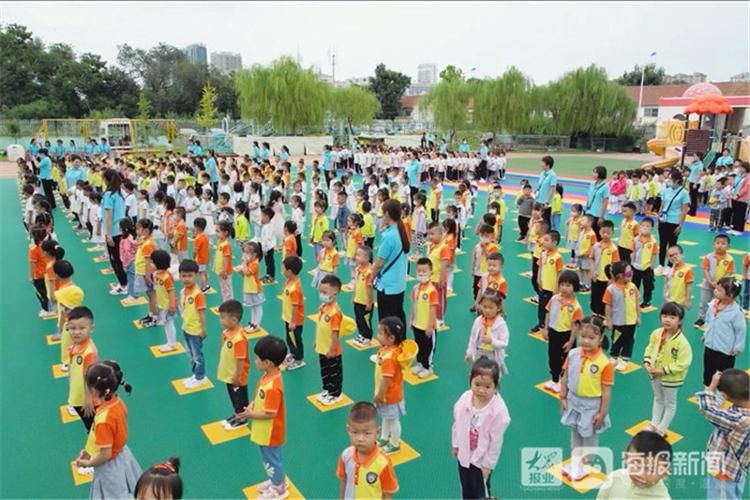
37,447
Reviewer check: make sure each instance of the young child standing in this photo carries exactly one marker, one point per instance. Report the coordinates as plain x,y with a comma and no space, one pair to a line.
423,316
389,383
252,287
68,296
200,251
37,268
234,362
353,241
268,414
479,254
290,240
645,250
730,433
362,296
622,313
327,344
328,258
628,231
480,418
166,298
293,311
418,223
439,254
52,253
115,469
550,267
572,228
585,394
666,360
364,469
82,354
564,315
193,304
493,280
268,244
179,239
556,208
726,329
128,247
489,334
318,227
585,251
223,259
678,278
715,265
605,254
144,270
647,461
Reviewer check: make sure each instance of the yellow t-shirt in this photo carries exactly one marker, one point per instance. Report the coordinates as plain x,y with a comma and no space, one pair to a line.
628,230
329,320
362,283
193,301
68,297
557,204
550,264
368,229
424,297
80,358
319,226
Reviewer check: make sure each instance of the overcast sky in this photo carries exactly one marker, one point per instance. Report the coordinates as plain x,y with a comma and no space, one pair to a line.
544,40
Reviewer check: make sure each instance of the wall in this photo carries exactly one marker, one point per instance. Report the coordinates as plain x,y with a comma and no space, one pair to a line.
298,145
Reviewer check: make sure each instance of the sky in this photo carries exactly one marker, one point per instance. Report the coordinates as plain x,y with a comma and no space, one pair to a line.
542,39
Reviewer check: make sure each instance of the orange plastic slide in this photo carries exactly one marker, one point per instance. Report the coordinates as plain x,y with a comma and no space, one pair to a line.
661,163
659,147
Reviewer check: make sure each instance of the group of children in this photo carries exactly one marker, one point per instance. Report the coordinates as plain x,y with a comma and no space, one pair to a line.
242,210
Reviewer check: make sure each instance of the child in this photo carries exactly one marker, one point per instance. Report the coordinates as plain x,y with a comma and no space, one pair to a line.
730,435
353,241
68,296
605,254
585,251
423,315
726,329
368,225
37,269
52,253
290,240
319,226
200,251
450,229
666,360
166,298
268,244
489,334
418,223
715,266
678,278
550,266
572,228
362,296
298,217
223,259
207,211
493,279
389,383
525,203
327,345
622,312
648,458
115,469
179,241
439,254
628,231
328,258
746,282
128,247
486,246
234,362
476,440
268,414
293,311
718,201
364,469
193,305
144,269
556,208
564,315
160,481
241,224
645,249
82,354
252,286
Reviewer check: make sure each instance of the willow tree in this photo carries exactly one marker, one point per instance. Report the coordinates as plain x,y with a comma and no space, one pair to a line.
355,105
207,113
287,95
448,100
503,104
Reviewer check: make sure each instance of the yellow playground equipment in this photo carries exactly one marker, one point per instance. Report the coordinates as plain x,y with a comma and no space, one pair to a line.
670,138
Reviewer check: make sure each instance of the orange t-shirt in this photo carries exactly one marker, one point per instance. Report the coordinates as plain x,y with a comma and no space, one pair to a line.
36,257
290,246
450,240
200,249
390,368
407,225
181,231
294,309
272,398
112,432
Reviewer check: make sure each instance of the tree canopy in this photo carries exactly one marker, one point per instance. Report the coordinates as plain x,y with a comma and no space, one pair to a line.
388,86
355,105
653,75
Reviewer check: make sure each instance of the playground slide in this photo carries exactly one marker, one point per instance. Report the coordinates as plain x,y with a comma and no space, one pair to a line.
657,146
661,163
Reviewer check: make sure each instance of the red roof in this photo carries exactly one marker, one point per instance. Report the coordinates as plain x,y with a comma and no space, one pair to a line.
410,101
652,93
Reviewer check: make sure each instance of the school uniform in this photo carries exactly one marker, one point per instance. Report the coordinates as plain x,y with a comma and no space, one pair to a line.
605,254
717,266
234,348
163,285
644,250
193,302
628,231
623,303
223,265
550,265
270,433
81,356
496,330
387,365
368,476
561,315
362,316
424,297
331,368
67,296
293,308
677,281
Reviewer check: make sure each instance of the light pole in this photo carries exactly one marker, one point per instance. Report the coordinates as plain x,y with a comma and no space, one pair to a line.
640,93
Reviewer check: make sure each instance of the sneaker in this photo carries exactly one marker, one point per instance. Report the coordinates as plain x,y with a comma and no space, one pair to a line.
612,360
56,336
390,449
86,471
295,364
535,299
659,270
440,324
227,422
276,492
365,342
621,365
416,369
190,382
235,423
699,323
381,442
71,411
64,367
425,373
553,386
574,475
645,304
167,348
374,358
330,400
265,485
585,289
251,328
43,313
322,396
204,290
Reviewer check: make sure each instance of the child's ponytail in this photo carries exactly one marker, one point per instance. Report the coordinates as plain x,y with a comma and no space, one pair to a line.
51,247
105,377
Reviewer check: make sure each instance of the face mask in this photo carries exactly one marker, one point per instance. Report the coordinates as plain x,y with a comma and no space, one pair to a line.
325,299
485,239
645,231
423,278
668,183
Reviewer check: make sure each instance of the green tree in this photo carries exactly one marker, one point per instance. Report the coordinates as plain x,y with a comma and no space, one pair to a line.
13,129
448,100
286,94
653,75
144,113
207,113
452,73
388,86
355,105
503,104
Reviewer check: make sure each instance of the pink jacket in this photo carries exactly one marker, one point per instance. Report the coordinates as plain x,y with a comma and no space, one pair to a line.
128,246
617,187
491,431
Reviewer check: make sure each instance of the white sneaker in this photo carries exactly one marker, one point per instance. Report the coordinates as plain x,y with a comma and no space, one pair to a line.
118,290
189,382
440,324
65,367
330,400
277,493
659,270
71,411
374,358
265,485
86,471
552,386
425,373
612,360
167,348
416,369
621,365
322,396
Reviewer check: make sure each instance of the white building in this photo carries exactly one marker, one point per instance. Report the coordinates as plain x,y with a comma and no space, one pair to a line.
361,81
682,78
427,74
416,89
226,62
196,53
741,77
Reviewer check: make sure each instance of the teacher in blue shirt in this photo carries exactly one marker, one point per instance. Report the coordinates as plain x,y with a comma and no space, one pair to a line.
390,266
327,163
675,203
693,179
113,207
412,175
546,186
597,198
45,175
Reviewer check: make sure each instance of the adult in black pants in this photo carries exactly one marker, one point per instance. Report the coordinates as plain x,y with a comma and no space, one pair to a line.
675,205
113,203
389,268
741,196
45,176
696,167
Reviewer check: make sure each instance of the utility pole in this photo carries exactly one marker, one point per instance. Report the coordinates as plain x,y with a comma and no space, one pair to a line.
332,61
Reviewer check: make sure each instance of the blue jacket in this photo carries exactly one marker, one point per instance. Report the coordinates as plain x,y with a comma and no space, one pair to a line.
726,331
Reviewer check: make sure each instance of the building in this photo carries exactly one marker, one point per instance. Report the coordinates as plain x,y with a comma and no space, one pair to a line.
361,81
196,53
427,74
226,62
684,78
416,89
741,77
